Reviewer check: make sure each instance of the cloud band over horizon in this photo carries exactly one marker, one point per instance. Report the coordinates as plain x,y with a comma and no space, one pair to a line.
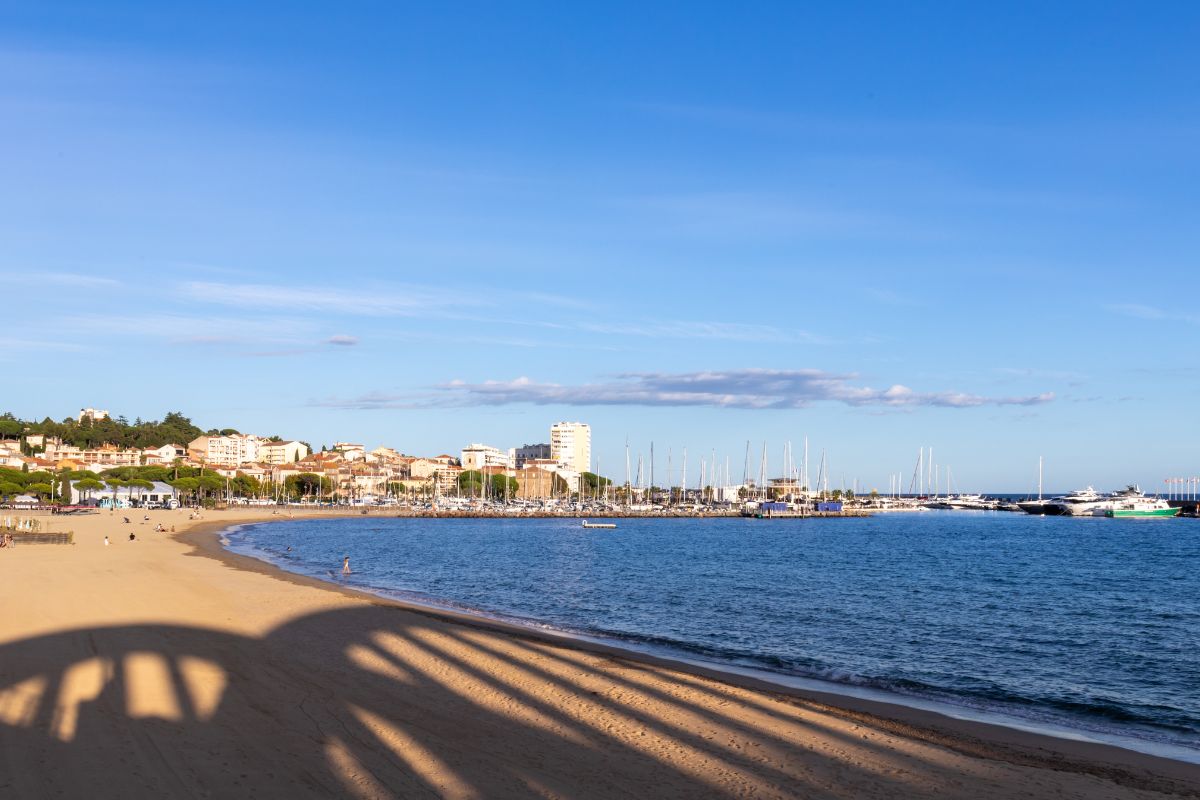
742,389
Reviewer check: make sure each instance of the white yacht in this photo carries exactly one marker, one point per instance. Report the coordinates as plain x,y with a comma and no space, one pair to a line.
1079,503
976,502
1090,503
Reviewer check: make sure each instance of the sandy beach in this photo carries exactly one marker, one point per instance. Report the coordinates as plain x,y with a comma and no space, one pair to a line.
166,667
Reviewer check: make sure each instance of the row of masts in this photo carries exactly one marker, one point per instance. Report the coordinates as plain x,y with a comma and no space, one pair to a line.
716,474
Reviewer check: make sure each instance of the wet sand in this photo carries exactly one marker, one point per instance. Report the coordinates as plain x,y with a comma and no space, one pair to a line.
168,667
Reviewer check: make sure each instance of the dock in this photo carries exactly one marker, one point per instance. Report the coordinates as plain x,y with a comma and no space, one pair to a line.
769,514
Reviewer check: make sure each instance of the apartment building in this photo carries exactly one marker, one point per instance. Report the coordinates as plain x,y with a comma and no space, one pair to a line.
571,445
281,452
237,448
106,455
529,452
478,456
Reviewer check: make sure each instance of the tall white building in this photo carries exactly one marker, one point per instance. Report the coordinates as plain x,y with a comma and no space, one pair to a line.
571,445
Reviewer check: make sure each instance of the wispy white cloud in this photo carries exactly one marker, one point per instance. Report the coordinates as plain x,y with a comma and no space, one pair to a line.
726,331
1140,311
191,329
16,344
675,329
1071,377
739,213
342,340
388,300
743,388
397,301
889,297
59,279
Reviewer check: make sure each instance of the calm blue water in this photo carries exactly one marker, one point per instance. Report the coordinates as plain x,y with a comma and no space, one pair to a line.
1093,624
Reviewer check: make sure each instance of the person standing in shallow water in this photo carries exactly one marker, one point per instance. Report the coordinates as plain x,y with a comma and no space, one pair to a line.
346,565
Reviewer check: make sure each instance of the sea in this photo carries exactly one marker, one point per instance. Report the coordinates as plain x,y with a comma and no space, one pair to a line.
1081,627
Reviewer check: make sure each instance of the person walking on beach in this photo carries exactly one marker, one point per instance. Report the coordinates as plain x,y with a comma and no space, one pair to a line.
106,541
346,565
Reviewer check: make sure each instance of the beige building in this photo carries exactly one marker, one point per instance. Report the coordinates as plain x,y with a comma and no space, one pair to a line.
445,479
536,482
104,456
282,452
237,448
423,468
571,445
94,414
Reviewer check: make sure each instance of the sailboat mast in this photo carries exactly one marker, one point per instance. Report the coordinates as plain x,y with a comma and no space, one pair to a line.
683,477
804,476
628,484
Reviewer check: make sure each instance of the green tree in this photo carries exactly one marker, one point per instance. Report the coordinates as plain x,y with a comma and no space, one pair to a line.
85,486
246,485
186,487
593,482
115,485
503,487
211,485
307,484
138,483
470,483
40,489
10,489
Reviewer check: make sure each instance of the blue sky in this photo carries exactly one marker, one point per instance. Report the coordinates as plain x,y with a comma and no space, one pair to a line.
876,226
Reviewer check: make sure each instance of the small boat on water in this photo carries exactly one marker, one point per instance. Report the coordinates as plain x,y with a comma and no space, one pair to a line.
587,524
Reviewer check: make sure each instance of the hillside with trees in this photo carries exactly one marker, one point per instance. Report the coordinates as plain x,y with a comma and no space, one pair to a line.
174,428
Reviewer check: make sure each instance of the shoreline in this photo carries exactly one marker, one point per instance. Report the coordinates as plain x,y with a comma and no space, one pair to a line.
203,670
928,723
803,686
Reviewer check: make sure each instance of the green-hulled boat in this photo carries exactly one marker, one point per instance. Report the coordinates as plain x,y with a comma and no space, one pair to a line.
1142,507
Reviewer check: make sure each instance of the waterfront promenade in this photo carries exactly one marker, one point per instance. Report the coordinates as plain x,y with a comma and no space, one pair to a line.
166,667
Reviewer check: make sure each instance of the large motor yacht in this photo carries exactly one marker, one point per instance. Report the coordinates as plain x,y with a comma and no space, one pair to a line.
1079,503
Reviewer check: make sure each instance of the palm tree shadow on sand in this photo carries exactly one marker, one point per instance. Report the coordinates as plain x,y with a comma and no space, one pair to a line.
365,702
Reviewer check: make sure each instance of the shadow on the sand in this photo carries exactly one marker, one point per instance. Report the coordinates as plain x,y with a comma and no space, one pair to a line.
364,702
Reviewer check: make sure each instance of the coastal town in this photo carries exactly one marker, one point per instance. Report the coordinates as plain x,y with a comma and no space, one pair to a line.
231,466
88,461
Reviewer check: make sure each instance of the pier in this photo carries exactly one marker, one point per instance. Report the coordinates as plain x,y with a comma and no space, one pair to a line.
791,514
